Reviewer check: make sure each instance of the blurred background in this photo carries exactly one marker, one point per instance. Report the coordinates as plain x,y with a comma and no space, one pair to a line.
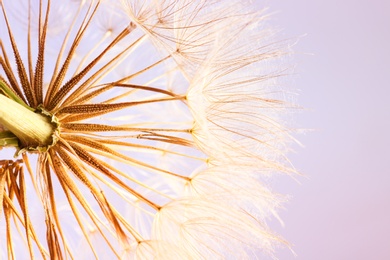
341,209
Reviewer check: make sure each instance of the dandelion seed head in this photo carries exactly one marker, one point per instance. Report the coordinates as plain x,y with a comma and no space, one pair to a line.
164,123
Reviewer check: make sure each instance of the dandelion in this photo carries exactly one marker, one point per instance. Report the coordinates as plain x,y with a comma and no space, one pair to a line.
142,129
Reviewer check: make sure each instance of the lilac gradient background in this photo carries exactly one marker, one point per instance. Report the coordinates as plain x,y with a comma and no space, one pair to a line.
341,210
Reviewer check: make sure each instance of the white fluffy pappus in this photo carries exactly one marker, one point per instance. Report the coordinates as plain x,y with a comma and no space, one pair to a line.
170,123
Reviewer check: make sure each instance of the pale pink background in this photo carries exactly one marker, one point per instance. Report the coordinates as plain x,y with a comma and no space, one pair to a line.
342,209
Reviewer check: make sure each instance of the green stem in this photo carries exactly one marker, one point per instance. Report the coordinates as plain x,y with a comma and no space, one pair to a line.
9,93
8,139
34,130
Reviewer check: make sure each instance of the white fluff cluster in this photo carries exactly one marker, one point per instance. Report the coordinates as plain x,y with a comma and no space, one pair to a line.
224,60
